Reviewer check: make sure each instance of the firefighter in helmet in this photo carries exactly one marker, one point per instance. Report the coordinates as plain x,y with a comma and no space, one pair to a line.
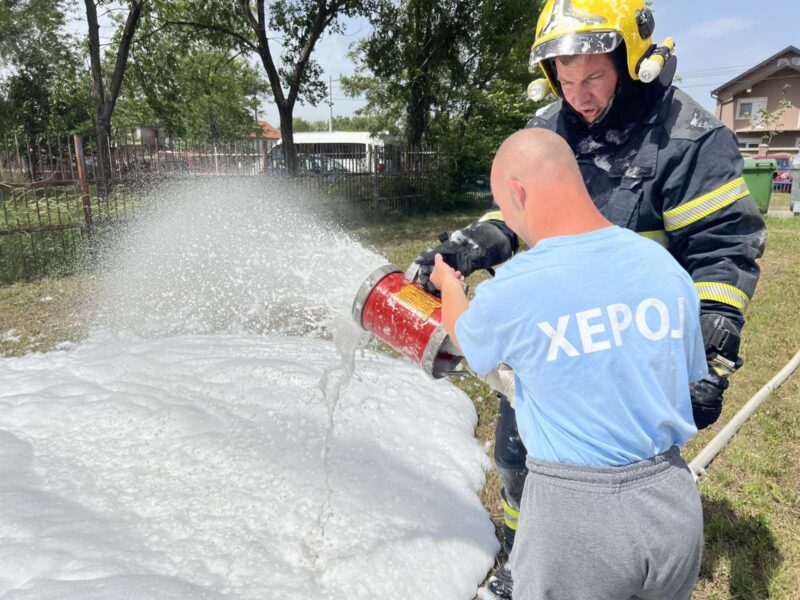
654,161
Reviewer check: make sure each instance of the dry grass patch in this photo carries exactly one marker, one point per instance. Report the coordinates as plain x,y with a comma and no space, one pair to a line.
35,317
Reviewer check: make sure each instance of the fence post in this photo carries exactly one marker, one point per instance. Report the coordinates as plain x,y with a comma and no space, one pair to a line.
87,200
376,188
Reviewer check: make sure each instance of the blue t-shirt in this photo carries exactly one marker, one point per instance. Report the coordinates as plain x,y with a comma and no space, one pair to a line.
602,330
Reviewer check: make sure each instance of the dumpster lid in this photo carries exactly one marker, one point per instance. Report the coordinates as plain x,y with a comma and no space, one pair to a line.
760,164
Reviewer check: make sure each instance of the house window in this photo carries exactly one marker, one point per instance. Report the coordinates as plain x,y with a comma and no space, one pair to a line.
748,108
748,142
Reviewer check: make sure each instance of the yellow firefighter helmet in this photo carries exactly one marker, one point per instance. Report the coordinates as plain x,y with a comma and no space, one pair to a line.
569,27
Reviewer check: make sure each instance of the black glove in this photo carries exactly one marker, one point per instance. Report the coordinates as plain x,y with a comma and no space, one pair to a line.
721,338
707,399
480,245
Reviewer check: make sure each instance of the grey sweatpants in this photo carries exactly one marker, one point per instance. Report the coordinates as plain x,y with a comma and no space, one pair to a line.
608,533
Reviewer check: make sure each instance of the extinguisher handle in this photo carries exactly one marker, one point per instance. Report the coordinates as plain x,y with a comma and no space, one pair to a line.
412,273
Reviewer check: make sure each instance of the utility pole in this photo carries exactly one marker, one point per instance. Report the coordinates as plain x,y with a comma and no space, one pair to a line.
330,103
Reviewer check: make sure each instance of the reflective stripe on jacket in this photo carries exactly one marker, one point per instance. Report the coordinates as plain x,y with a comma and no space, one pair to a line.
675,176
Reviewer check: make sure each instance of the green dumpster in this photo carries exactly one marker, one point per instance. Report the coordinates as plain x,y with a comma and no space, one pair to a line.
758,174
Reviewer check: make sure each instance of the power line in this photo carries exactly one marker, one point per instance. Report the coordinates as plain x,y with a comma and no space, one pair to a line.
716,69
709,75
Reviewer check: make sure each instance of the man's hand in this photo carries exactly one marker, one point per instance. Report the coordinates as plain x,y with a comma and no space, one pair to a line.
721,338
454,300
456,254
442,271
477,246
707,399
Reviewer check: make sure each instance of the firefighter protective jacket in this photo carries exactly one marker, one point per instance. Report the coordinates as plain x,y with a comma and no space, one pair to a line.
673,174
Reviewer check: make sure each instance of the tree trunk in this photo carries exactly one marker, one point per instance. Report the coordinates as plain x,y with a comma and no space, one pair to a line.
419,107
325,13
103,170
418,113
104,103
287,140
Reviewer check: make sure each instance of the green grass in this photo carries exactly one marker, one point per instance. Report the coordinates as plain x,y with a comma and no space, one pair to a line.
751,493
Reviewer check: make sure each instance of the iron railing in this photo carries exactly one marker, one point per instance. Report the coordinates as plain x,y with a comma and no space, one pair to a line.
784,187
55,193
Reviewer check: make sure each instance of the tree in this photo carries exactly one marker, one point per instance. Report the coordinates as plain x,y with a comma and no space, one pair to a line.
412,51
43,87
770,122
105,98
200,91
351,123
451,72
24,22
300,23
301,125
362,123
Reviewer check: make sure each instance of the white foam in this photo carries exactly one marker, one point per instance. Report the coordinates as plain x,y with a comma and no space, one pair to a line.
198,464
195,447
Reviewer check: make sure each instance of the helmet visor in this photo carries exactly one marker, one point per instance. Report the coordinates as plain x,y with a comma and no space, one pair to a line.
588,42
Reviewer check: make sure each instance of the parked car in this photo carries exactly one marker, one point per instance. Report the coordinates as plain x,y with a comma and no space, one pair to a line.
782,181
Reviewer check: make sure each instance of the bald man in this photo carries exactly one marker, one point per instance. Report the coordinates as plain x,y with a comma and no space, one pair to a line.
601,328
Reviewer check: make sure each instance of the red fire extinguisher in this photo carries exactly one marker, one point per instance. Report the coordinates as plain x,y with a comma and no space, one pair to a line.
408,318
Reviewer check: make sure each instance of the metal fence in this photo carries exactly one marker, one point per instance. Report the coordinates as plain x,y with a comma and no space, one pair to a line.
43,209
54,200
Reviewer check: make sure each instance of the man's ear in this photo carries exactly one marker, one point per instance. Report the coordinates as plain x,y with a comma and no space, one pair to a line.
518,196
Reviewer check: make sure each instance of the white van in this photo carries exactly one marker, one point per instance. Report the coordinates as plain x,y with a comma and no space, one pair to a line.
349,151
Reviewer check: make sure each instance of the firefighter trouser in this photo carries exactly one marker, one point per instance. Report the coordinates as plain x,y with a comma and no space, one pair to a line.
509,458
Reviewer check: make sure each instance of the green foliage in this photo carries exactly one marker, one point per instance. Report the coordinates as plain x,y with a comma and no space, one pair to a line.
43,86
202,91
352,123
451,73
225,25
360,123
301,125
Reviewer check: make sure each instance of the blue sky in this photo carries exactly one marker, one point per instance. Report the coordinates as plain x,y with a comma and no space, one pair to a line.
715,41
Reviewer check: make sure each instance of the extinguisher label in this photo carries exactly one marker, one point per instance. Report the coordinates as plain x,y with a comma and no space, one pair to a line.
417,301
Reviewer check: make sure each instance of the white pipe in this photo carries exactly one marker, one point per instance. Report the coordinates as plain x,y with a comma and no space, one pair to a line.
707,454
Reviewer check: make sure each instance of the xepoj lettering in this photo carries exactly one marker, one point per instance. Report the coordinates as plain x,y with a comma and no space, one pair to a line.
600,329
